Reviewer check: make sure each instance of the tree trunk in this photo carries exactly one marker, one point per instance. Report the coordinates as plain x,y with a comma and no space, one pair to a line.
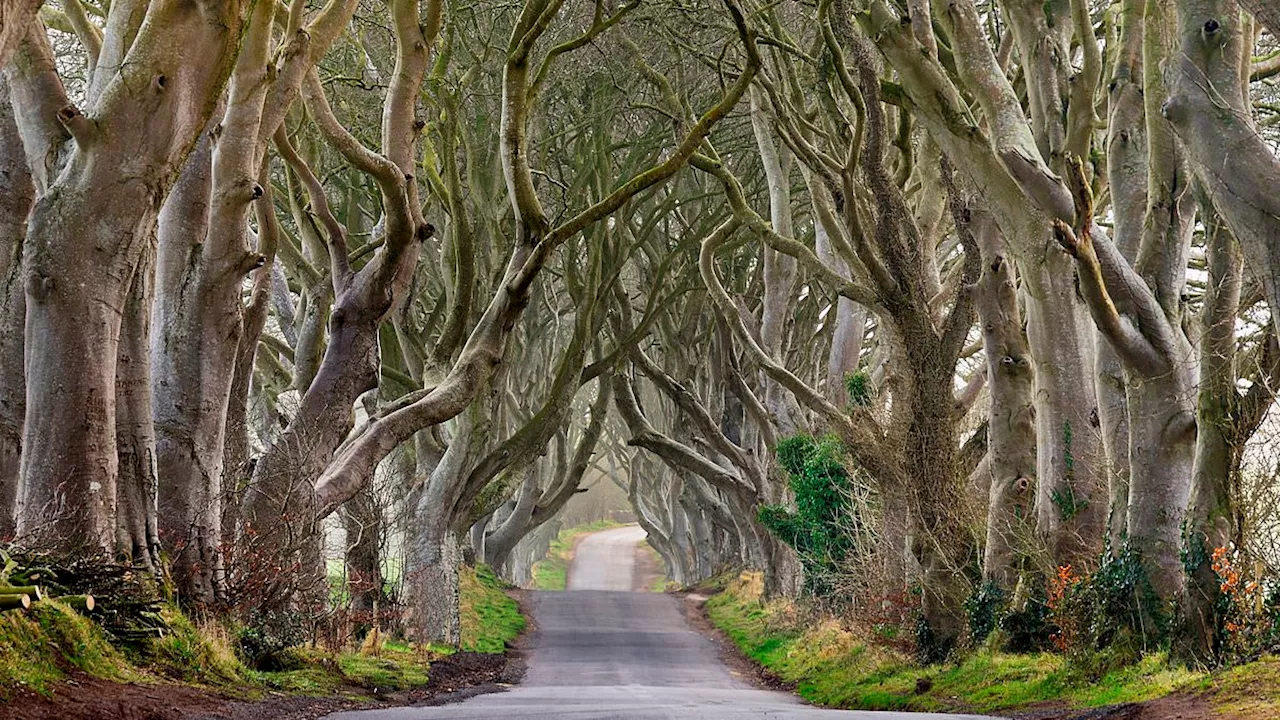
1024,195
1208,106
433,577
362,520
188,406
515,523
17,193
279,510
434,552
940,539
1162,413
1011,450
1127,181
84,239
202,316
137,535
237,465
1210,513
75,295
779,269
1070,512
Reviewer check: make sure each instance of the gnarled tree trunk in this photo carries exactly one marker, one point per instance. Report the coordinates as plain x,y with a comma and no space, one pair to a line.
17,193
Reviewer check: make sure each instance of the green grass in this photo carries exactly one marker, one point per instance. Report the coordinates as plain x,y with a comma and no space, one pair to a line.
1245,691
552,572
490,618
40,646
834,666
194,653
391,669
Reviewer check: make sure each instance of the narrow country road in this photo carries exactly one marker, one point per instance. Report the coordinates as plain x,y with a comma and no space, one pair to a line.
601,651
606,560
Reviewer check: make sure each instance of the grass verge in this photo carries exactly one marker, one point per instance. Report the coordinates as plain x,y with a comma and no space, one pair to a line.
491,620
41,647
552,572
834,666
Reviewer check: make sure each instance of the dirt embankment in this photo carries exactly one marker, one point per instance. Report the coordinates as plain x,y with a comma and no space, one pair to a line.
83,697
1173,707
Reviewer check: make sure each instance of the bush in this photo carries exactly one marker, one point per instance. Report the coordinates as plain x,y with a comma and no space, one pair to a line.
1109,618
267,640
1028,628
984,609
823,528
858,385
1248,609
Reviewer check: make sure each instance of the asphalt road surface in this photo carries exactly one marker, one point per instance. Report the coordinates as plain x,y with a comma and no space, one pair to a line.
600,651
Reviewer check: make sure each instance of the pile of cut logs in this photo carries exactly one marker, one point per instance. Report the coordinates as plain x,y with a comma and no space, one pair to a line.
19,587
124,600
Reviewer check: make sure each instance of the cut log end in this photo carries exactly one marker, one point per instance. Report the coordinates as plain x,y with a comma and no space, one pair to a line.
81,603
14,602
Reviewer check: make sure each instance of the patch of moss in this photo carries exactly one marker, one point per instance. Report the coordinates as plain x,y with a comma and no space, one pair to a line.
38,647
490,619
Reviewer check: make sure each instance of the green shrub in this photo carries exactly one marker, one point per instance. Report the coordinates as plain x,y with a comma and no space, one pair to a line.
1028,628
823,527
267,639
1109,618
985,608
858,385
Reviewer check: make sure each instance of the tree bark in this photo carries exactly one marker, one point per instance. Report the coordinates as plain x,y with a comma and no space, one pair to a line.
1207,104
15,16
1003,160
434,555
137,534
17,193
1127,180
1211,511
362,521
1011,449
779,269
201,322
281,510
1138,310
